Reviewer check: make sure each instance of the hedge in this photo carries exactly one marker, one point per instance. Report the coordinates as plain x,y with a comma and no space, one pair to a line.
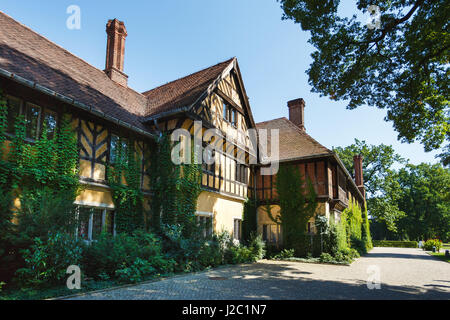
397,244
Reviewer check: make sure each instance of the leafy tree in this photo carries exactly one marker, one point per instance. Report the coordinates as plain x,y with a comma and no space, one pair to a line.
425,197
400,65
377,162
380,180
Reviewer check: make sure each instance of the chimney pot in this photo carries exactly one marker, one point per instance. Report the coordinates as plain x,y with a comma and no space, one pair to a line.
115,51
297,113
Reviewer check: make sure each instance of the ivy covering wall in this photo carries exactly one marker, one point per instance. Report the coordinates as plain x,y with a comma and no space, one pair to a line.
354,229
175,189
43,176
124,178
298,205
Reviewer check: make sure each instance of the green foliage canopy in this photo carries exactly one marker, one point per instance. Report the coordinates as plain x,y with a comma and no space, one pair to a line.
402,66
383,189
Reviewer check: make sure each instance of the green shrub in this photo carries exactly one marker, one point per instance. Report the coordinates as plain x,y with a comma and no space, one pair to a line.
109,254
257,247
272,250
136,272
238,254
285,254
46,262
326,257
395,244
430,243
359,245
210,254
346,255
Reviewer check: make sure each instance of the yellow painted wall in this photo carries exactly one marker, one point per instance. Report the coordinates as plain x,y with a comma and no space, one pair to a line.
95,197
225,210
263,218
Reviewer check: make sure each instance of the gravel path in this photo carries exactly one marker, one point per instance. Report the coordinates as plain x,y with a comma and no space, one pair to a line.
404,274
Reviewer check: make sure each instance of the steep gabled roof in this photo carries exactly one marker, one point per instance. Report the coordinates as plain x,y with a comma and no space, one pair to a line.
294,142
29,55
183,92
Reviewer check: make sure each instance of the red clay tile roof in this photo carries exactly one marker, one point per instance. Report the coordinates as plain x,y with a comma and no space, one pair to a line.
33,57
294,142
185,91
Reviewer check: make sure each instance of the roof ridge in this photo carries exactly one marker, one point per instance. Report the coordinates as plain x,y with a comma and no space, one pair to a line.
189,75
64,50
281,118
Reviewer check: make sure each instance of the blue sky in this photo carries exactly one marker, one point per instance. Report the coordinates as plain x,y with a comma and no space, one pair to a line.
172,38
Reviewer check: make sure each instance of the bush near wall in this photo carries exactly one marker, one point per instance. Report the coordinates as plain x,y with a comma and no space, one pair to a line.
395,244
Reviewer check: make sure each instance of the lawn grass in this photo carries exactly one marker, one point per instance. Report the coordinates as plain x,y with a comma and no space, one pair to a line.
440,255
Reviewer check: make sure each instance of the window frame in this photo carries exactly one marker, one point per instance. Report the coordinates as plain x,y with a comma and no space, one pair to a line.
237,234
90,222
44,113
230,113
27,121
207,230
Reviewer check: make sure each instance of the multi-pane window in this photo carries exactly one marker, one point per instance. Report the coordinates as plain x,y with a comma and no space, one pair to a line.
237,229
13,112
241,173
116,143
271,233
50,120
229,114
205,224
94,221
32,117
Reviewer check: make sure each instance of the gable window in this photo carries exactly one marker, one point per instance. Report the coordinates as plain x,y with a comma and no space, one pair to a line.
229,114
32,117
13,111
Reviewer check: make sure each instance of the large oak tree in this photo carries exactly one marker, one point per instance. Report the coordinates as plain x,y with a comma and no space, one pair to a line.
398,62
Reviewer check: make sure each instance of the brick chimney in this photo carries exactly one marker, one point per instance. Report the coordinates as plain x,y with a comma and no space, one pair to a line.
359,180
115,51
297,113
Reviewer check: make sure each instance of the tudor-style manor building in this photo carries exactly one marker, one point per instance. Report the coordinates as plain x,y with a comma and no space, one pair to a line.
43,81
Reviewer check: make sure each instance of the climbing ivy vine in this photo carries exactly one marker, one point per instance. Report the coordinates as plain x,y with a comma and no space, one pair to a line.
124,178
43,176
298,204
176,189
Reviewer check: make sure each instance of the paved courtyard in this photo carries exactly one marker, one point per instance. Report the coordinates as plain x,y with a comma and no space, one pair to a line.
404,274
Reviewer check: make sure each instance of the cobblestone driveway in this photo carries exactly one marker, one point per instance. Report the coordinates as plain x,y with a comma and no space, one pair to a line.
405,274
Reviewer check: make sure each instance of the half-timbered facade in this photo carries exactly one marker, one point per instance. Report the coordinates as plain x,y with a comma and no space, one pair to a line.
43,82
333,184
